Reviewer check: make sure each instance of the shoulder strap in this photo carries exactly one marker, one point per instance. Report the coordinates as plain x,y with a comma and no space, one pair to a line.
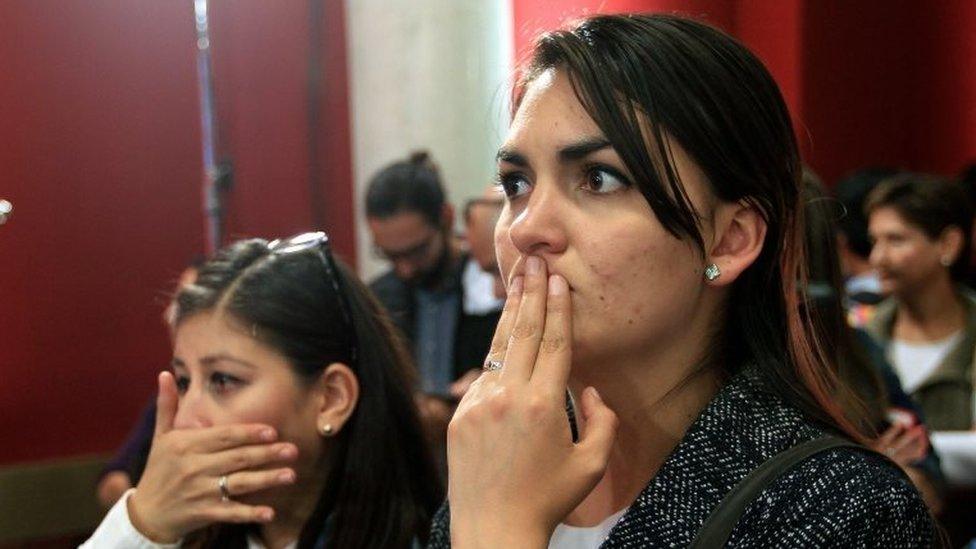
719,524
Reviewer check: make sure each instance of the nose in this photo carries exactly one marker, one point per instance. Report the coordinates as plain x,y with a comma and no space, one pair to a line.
877,255
193,411
540,228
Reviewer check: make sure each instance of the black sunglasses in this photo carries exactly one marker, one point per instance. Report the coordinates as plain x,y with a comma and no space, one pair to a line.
319,242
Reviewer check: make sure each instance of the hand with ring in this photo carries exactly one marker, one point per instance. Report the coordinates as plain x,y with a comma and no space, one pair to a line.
192,475
514,471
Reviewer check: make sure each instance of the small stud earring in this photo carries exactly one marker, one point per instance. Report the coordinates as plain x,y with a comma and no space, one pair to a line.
712,272
327,430
945,261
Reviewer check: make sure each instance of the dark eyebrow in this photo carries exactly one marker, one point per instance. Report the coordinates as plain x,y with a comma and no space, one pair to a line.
569,153
177,362
223,357
581,149
512,157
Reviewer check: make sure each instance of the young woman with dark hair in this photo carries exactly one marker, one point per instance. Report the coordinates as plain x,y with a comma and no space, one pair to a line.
288,419
653,247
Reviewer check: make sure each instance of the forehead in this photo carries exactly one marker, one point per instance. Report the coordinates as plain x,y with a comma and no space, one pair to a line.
400,230
551,116
887,218
213,333
550,109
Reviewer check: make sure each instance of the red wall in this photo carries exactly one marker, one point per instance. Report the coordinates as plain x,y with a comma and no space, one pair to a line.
870,82
100,154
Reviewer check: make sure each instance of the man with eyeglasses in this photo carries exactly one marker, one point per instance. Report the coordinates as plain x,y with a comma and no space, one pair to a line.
448,327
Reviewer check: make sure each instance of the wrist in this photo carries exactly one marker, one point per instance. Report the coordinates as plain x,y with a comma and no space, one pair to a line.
153,533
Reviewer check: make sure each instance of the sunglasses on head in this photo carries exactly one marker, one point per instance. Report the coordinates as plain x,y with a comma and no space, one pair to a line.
318,241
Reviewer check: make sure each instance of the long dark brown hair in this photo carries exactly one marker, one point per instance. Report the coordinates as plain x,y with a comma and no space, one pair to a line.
382,486
645,79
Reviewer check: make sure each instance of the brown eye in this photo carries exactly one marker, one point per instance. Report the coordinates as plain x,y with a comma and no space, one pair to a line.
182,384
603,181
513,184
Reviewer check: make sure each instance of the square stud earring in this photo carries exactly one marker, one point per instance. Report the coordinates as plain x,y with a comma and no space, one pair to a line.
712,272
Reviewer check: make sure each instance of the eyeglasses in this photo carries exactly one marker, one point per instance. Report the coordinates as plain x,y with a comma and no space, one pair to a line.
412,254
319,242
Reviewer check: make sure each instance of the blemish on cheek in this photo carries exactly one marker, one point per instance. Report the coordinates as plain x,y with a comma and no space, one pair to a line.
630,321
602,298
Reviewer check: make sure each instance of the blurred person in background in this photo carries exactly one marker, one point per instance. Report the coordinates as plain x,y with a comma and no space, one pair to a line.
484,289
898,426
861,284
446,324
288,418
921,225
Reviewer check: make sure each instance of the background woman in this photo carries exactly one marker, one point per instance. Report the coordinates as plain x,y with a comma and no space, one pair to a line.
921,228
652,243
288,419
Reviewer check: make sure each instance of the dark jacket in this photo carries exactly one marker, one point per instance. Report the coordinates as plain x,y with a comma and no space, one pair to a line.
473,334
838,498
946,396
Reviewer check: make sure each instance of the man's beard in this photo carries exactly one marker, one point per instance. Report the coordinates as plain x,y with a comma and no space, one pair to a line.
433,277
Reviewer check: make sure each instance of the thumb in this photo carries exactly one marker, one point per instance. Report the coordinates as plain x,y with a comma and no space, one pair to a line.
166,403
599,429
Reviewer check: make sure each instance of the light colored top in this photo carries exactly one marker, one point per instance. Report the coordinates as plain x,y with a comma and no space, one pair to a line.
957,450
915,362
589,537
479,290
117,532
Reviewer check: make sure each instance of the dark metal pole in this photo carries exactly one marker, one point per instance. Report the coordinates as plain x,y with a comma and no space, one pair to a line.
314,105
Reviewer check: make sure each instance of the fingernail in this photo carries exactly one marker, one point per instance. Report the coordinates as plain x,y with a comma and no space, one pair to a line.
533,265
267,434
516,287
596,394
287,452
287,476
267,515
557,285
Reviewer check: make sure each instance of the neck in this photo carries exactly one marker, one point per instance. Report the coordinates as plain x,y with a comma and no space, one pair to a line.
933,312
655,405
293,509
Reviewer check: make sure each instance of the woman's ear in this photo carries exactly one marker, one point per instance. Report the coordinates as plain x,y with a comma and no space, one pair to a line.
740,231
338,390
950,244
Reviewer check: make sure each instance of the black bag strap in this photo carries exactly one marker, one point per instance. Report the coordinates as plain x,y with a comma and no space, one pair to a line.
720,522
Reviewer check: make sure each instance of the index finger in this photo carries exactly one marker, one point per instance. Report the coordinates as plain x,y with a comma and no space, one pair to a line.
555,356
224,437
166,403
506,323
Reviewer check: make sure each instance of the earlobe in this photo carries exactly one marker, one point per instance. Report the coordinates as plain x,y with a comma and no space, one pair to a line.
339,395
740,234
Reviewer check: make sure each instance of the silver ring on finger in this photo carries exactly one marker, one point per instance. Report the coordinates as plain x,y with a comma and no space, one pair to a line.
224,492
492,365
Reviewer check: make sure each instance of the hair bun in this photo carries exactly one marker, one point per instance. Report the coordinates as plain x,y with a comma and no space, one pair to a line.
420,158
